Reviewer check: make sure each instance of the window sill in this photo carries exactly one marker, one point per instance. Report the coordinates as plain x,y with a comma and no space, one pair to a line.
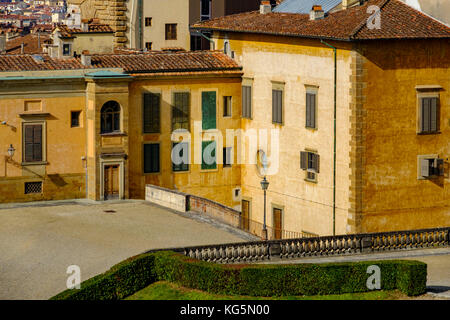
38,163
151,173
428,133
311,181
113,134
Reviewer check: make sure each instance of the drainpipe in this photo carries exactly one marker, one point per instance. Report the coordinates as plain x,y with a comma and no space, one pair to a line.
334,142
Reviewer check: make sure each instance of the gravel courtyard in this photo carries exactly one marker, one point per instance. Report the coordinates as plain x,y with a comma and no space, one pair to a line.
39,241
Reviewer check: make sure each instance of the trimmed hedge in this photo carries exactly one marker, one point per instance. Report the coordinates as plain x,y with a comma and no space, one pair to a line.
138,272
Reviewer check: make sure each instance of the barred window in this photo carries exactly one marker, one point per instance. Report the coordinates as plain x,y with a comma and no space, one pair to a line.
33,187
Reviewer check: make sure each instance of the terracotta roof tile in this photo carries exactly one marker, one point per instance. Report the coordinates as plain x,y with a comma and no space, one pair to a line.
166,61
398,21
93,28
153,62
26,62
30,41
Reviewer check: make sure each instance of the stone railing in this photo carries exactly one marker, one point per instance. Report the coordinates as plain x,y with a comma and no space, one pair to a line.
247,252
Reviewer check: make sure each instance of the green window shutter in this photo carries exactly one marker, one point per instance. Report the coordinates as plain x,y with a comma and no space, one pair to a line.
152,104
209,163
151,158
184,166
208,110
180,110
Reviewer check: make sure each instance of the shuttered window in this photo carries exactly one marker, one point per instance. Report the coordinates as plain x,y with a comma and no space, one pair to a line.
311,110
277,106
152,109
429,115
208,110
151,158
171,31
310,162
209,155
180,157
247,102
33,143
180,110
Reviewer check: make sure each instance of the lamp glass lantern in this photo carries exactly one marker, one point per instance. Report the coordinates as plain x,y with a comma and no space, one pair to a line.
11,151
264,184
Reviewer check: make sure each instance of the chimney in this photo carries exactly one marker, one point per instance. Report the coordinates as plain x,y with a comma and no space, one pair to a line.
2,42
86,58
265,7
85,25
316,13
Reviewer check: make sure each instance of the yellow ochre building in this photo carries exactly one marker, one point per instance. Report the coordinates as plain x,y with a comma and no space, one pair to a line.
349,121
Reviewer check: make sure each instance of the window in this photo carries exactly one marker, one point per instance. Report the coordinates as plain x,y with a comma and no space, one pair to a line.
180,111
227,157
227,106
75,119
205,10
208,110
429,115
311,110
152,103
245,216
196,42
33,187
33,142
310,161
171,31
180,156
148,22
247,102
151,158
209,155
277,106
148,46
430,166
66,49
110,117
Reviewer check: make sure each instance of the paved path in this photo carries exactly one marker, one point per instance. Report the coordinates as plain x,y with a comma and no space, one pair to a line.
438,261
39,241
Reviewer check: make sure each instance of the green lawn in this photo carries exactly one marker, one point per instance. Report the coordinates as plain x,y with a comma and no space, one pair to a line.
170,291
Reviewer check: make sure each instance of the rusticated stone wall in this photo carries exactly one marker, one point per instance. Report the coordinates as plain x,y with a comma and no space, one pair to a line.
111,12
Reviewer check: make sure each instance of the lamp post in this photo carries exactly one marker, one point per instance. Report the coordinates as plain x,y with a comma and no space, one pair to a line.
11,151
264,186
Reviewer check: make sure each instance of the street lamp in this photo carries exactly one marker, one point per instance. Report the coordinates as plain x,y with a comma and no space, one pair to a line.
264,186
11,151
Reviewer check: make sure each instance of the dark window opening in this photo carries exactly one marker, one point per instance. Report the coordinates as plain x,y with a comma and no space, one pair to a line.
110,117
148,22
75,119
151,158
171,31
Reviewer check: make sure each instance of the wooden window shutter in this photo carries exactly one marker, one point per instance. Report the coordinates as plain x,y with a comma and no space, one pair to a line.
151,113
316,162
151,158
37,143
208,110
277,106
29,140
310,110
303,160
434,114
246,101
425,115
